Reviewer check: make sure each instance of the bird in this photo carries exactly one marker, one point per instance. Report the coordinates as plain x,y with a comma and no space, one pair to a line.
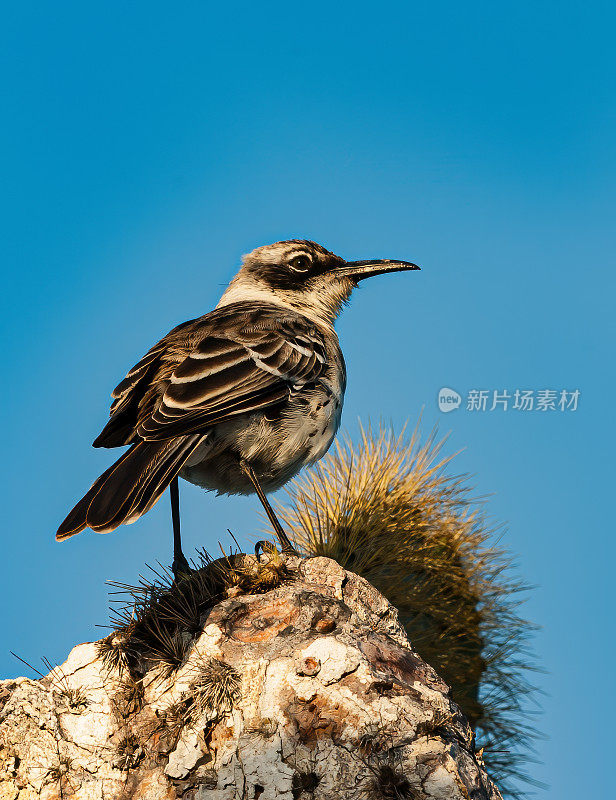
238,400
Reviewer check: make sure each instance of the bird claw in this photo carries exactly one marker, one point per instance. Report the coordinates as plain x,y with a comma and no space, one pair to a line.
263,546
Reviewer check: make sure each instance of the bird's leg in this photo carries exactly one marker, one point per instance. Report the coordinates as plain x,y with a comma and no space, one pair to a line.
180,564
285,543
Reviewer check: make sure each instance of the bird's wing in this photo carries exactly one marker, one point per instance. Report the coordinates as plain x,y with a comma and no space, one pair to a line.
134,395
255,360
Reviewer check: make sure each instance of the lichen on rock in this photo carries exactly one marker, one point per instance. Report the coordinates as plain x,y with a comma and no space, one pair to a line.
309,690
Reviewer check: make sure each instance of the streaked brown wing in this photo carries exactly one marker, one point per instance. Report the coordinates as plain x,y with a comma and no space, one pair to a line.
254,361
131,394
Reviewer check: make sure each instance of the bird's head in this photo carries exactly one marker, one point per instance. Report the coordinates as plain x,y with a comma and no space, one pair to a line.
305,276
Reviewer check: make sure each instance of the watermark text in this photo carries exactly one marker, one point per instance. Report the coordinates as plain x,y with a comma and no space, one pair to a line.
518,400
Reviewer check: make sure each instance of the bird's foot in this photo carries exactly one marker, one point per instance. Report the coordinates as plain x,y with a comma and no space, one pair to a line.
263,546
269,548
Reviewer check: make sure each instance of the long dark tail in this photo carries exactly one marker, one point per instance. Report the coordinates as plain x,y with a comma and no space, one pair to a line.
130,487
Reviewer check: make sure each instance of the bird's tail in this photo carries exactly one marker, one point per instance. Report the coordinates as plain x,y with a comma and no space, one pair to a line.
130,487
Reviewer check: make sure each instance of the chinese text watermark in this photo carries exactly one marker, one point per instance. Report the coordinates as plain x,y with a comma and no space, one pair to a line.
541,400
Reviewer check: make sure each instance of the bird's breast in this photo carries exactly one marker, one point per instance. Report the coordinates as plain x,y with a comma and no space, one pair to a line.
277,443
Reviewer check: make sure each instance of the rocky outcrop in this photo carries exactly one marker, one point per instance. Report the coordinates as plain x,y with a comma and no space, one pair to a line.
309,690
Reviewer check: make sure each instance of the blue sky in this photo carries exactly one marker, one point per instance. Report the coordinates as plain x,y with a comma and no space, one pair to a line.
145,149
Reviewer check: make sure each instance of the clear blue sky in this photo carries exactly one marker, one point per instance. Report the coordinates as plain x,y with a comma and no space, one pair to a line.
145,147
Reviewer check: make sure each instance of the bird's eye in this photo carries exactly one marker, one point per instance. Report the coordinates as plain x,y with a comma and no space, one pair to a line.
300,263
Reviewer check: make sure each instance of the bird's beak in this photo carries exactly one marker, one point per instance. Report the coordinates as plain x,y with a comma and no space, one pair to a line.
358,270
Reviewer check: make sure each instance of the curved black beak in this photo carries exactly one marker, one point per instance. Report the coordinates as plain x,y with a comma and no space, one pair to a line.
358,270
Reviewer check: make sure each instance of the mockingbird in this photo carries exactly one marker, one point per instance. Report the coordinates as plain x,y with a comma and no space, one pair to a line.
238,400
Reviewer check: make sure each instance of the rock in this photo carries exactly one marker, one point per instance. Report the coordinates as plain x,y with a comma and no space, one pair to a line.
310,690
